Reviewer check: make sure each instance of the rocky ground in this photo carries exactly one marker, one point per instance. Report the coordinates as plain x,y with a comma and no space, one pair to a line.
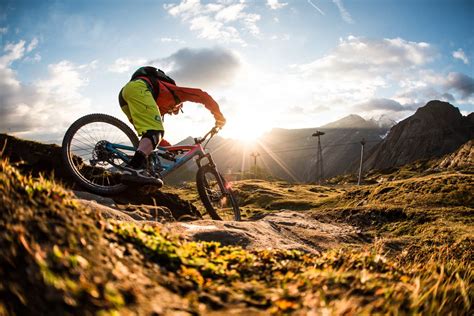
400,245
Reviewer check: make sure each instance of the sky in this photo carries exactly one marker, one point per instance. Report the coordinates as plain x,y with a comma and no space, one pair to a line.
269,64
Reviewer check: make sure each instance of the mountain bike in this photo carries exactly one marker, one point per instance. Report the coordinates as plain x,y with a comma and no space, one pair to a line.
97,146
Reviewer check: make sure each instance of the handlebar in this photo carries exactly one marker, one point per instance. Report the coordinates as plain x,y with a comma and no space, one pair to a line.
209,135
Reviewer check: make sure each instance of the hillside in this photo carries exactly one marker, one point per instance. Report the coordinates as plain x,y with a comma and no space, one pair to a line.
403,246
290,154
434,130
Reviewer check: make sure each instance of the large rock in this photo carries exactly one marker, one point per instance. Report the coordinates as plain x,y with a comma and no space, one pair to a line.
434,130
463,158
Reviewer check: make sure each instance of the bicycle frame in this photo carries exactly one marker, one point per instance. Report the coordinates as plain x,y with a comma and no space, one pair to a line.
190,152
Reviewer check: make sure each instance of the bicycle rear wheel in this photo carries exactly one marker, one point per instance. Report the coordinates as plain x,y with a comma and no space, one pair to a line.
216,195
85,155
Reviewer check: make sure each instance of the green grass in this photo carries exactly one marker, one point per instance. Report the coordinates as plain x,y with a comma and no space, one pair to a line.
58,257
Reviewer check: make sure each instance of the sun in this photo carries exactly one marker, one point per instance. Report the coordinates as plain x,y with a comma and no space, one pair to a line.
246,128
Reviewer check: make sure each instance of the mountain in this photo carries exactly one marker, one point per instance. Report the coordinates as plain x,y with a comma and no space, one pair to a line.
384,121
352,121
290,154
436,129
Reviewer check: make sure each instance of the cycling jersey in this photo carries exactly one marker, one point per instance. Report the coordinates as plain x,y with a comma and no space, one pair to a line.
145,113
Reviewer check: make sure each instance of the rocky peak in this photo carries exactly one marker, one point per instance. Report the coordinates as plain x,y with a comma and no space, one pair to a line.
351,121
440,112
436,129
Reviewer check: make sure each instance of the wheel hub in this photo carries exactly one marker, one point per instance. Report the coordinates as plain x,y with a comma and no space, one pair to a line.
100,152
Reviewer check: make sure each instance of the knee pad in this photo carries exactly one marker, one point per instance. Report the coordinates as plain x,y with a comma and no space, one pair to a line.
153,135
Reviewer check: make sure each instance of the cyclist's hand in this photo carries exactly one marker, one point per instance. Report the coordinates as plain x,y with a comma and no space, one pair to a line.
220,121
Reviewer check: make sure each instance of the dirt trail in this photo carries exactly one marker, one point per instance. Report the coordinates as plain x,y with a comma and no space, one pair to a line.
285,229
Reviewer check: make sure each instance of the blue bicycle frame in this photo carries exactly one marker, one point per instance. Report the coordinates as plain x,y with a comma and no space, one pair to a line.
165,169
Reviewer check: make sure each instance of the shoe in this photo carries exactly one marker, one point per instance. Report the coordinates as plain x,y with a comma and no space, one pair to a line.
139,176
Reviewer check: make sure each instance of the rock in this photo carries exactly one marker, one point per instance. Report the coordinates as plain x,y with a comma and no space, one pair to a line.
434,130
463,158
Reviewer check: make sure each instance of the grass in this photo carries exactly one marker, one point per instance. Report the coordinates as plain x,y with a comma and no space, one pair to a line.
257,197
58,257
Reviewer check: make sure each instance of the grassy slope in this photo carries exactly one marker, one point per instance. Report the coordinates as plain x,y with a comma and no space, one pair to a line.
57,256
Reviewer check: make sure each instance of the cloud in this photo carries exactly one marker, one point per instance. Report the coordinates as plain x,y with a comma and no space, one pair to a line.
32,45
3,30
216,21
346,16
358,66
362,55
172,40
447,97
122,65
459,54
14,51
275,4
201,67
461,83
33,59
44,106
381,104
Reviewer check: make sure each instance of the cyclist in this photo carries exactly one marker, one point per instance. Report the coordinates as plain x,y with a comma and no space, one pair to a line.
148,96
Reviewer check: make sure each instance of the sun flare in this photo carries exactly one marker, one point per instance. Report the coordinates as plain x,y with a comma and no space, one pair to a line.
246,128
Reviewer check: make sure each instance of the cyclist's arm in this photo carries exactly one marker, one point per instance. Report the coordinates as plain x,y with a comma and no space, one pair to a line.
198,96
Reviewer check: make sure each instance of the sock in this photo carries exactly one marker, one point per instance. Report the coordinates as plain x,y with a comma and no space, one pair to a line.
138,160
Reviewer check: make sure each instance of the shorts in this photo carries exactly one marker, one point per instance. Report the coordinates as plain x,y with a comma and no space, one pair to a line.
140,107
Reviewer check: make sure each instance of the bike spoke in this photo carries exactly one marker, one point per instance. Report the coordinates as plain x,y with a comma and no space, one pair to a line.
90,158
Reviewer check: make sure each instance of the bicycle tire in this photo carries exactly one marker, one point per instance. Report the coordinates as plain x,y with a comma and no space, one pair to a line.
203,191
68,156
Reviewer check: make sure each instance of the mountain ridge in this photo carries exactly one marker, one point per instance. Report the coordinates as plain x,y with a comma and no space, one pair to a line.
436,129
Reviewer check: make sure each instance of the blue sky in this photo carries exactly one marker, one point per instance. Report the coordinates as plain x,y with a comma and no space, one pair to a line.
287,64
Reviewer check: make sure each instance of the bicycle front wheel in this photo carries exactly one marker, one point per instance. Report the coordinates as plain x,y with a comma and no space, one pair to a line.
86,156
216,195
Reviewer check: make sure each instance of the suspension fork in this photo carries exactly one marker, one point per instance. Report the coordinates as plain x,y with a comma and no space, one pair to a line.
210,162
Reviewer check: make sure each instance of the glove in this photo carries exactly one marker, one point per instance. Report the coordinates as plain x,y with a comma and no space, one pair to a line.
220,121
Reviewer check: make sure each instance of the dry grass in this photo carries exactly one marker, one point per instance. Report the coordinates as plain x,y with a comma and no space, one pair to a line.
60,258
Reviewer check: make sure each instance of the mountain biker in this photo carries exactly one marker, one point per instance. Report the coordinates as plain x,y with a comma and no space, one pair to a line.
148,96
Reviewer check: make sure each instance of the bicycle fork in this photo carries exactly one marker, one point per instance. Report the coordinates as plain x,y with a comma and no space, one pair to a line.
210,162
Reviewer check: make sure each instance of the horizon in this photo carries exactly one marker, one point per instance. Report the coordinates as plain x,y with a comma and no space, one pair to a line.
330,59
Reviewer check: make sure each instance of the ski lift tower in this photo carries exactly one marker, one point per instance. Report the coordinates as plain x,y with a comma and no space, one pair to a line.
319,157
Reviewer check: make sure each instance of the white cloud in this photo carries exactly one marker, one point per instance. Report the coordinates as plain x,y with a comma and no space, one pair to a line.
282,37
126,64
13,52
346,16
3,30
230,13
33,59
360,72
32,45
275,4
224,20
425,85
459,54
172,40
357,67
358,54
45,106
